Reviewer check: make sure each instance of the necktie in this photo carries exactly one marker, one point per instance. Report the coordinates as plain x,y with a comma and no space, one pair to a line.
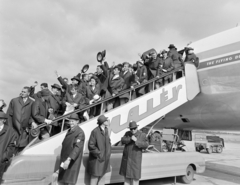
106,132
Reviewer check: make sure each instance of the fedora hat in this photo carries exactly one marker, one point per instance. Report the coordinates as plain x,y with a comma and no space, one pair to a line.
163,51
76,78
101,119
172,46
101,55
3,115
56,86
73,116
96,97
133,124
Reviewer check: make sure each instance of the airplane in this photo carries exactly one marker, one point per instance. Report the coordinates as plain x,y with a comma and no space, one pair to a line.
217,105
205,98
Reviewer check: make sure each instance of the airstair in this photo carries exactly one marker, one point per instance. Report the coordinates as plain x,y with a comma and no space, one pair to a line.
39,160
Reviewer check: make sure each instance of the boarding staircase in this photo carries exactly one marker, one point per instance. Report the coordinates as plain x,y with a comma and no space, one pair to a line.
144,110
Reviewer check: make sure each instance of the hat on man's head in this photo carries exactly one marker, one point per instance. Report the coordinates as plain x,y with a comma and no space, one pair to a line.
101,119
189,48
133,124
75,78
44,85
163,51
56,86
65,78
45,92
171,46
3,115
73,116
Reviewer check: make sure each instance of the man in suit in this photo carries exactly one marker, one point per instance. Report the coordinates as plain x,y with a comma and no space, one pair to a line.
54,102
71,153
93,91
140,76
127,77
19,117
77,100
177,59
153,64
115,86
167,66
40,115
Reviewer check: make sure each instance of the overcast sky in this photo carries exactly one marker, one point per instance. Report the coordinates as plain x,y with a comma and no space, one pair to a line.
38,37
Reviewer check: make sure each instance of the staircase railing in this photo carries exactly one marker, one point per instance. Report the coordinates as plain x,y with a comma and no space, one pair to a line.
35,131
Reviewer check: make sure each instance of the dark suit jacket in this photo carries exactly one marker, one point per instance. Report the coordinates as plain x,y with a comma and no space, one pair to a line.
90,92
39,111
78,99
55,103
115,85
176,57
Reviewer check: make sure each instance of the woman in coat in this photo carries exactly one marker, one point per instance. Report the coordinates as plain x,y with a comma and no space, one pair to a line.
71,154
99,146
135,141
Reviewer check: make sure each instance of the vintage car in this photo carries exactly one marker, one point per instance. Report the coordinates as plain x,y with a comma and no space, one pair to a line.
210,143
39,169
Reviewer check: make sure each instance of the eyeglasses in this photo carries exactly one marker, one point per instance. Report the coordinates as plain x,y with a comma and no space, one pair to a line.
133,128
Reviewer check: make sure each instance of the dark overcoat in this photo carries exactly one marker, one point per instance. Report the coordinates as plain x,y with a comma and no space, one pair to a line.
54,102
103,77
176,57
128,78
132,155
78,99
72,146
19,117
8,138
99,146
153,66
39,111
115,85
81,88
90,92
141,76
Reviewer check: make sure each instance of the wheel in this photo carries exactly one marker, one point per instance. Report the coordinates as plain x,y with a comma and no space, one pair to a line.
219,149
209,150
187,179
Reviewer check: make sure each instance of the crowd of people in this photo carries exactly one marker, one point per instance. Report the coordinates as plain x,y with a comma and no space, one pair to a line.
31,108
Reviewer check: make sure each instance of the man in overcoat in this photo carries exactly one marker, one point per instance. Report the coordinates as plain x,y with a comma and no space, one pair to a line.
71,153
135,141
128,78
8,139
76,82
140,76
115,85
167,66
177,59
153,64
40,114
19,117
99,146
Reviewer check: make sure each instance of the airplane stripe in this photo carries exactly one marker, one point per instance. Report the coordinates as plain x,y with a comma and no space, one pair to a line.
219,51
219,61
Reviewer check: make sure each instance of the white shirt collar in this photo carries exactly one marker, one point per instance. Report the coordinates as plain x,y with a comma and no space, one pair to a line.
1,127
